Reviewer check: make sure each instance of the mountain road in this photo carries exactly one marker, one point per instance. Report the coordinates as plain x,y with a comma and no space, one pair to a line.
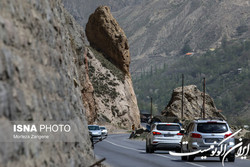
120,151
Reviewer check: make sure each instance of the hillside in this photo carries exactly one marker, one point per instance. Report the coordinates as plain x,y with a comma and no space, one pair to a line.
160,33
81,9
158,30
49,76
227,72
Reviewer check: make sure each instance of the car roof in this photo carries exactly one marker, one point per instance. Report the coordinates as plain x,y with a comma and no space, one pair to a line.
164,123
210,121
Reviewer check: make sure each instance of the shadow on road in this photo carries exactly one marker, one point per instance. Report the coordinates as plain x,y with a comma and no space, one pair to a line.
162,152
207,160
157,152
198,160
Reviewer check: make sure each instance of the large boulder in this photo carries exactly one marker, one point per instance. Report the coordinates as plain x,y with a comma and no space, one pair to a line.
193,102
105,35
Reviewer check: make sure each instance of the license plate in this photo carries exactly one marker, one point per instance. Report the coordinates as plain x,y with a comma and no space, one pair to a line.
212,140
168,135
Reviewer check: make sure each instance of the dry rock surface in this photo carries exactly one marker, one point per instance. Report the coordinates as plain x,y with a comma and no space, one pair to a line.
48,74
40,46
108,69
115,100
105,34
193,102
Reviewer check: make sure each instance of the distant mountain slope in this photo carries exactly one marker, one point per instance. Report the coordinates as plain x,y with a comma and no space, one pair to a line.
157,30
227,72
81,9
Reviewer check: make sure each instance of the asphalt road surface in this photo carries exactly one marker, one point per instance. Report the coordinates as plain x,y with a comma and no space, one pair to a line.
120,151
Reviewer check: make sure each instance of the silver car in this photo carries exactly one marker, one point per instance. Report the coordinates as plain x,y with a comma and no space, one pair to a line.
95,132
201,134
164,136
104,131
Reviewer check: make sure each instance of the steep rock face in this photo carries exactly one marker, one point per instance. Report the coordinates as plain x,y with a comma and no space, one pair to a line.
114,96
104,34
193,102
41,56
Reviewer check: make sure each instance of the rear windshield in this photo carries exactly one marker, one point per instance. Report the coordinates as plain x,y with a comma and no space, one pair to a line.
93,127
168,127
212,127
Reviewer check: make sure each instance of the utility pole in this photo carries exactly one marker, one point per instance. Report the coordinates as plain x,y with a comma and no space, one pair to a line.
182,103
204,92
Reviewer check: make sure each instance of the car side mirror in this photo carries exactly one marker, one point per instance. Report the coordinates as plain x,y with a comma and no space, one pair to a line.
182,131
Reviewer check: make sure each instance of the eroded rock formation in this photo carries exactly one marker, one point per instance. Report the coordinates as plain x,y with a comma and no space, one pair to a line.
114,96
193,102
105,35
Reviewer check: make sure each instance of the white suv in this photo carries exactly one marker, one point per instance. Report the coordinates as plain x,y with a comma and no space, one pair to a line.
201,134
164,136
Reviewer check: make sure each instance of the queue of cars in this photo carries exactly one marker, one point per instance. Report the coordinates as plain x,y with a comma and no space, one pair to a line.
199,135
97,133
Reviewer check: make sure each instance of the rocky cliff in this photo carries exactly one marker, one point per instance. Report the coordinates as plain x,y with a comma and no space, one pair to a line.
193,104
105,34
41,52
109,71
47,73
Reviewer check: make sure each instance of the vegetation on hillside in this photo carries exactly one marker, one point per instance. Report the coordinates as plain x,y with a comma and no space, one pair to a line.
227,73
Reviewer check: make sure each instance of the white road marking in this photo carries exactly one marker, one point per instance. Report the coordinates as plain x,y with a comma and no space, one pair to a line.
153,154
123,146
165,156
195,164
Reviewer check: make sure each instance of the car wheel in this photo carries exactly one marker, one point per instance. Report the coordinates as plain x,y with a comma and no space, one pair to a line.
147,149
190,158
151,149
183,158
231,158
178,150
221,157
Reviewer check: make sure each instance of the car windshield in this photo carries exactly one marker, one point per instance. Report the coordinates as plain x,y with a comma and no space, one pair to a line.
168,127
94,127
212,127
